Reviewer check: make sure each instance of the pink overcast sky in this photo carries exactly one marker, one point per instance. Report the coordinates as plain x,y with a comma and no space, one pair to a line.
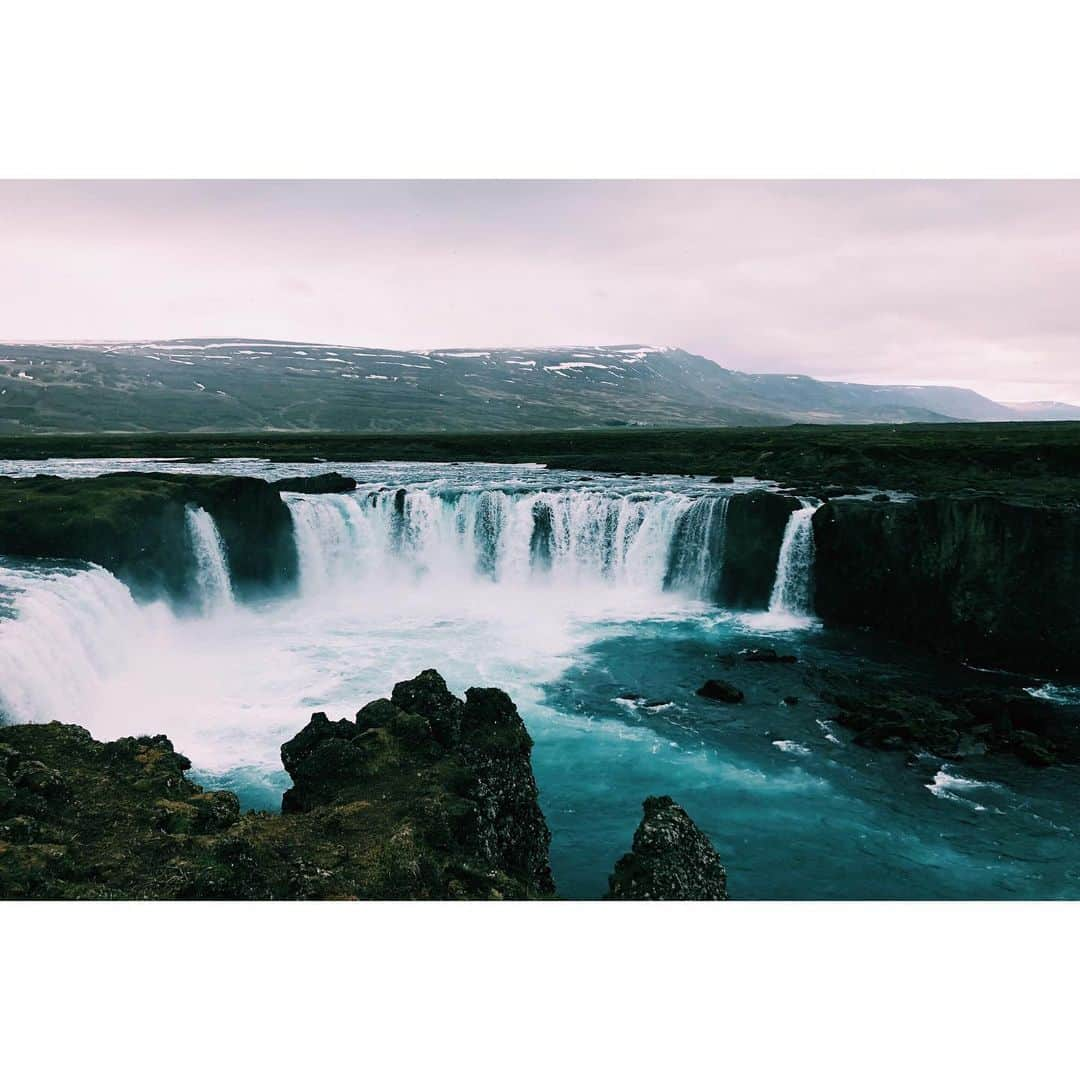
966,283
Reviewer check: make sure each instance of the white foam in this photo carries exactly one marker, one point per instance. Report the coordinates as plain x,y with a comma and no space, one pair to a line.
788,746
1059,695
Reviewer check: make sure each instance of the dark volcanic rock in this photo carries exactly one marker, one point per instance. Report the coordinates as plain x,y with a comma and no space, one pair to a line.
479,745
379,808
330,483
671,859
885,716
752,536
719,690
985,579
428,696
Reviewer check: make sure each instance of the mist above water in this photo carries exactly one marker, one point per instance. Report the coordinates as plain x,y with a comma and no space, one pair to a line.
493,583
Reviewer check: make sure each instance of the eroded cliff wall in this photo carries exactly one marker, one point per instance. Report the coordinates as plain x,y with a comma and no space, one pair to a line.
990,581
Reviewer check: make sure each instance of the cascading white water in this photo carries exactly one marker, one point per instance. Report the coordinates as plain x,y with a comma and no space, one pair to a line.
504,584
791,589
213,587
648,542
697,554
66,635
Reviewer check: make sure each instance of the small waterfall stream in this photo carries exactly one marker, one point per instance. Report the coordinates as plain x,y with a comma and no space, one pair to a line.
213,588
791,590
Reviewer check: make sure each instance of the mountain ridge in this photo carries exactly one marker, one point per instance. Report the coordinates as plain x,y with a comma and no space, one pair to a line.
221,383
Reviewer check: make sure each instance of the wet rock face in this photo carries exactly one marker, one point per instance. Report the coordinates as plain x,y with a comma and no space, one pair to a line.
983,579
752,536
671,859
427,696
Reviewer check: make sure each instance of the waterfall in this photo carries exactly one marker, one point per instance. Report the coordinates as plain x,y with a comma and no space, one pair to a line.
791,590
63,636
568,537
213,589
697,556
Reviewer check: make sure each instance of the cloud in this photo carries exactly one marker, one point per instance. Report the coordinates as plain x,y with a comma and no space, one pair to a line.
970,283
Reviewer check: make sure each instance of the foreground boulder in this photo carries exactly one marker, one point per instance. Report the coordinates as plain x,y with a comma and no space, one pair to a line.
464,767
380,808
671,859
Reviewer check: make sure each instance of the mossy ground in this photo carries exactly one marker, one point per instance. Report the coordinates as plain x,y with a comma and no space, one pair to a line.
407,819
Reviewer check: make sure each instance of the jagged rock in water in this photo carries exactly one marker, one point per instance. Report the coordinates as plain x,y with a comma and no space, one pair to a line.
382,807
671,859
719,690
885,716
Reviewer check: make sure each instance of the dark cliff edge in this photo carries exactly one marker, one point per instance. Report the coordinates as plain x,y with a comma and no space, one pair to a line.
754,531
989,581
330,483
423,796
134,525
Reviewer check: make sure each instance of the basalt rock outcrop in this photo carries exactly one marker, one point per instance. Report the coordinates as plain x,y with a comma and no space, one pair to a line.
991,581
134,525
952,724
473,817
431,798
671,859
752,536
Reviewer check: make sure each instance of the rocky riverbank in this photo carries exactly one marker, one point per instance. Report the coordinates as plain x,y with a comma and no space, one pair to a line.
422,796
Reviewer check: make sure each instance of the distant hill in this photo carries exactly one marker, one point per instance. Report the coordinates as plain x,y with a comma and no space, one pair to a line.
250,384
1045,410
